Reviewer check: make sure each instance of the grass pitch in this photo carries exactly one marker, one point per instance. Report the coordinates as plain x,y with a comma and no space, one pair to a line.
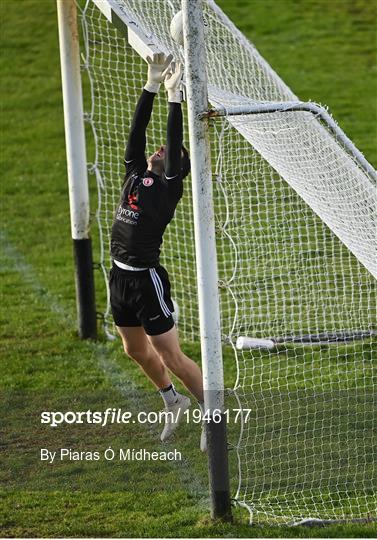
325,52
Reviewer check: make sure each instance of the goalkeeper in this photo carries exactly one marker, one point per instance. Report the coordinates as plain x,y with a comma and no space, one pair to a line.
139,285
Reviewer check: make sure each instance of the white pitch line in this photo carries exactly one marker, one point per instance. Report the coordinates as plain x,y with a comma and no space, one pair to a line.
19,264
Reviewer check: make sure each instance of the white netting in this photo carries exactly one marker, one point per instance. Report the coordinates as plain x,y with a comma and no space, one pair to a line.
282,203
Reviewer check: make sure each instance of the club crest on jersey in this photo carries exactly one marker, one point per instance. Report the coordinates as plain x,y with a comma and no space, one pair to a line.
147,182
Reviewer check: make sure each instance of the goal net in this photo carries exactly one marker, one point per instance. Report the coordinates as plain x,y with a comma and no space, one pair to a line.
296,242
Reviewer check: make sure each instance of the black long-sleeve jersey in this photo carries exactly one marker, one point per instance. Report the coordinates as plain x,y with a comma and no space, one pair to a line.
148,201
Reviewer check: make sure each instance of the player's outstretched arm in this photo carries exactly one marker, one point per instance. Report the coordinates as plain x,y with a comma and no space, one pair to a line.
134,155
174,138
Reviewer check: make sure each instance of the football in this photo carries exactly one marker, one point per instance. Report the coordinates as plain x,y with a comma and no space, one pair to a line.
176,28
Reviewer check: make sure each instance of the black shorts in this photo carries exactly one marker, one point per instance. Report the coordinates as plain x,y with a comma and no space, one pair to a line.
142,298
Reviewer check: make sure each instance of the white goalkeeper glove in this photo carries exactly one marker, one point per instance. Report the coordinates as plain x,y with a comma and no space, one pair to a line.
158,64
173,81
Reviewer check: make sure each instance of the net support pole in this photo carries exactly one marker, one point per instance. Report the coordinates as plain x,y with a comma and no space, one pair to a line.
289,106
206,258
77,169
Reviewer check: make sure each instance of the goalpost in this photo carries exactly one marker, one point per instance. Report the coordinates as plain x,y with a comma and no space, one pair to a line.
77,168
206,257
294,211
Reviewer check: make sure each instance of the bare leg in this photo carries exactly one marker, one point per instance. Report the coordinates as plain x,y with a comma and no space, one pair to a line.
138,347
168,349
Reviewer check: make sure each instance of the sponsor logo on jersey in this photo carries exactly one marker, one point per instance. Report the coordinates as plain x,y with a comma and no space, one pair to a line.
127,216
147,182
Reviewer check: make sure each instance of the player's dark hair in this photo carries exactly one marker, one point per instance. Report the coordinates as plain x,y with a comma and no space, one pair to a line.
186,165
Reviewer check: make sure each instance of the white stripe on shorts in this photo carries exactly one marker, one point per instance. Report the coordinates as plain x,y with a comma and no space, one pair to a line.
159,283
160,291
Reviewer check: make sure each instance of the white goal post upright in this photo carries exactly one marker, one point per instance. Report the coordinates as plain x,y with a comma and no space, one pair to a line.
206,257
77,167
